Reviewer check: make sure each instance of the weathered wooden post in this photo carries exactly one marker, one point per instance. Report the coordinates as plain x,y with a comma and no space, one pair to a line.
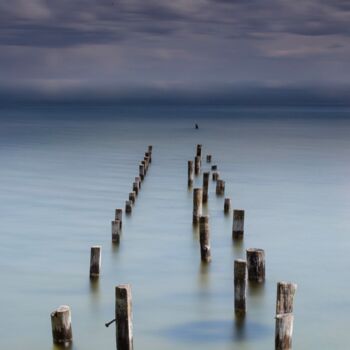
116,230
142,171
132,197
240,286
284,331
123,316
220,187
190,173
256,265
144,168
150,149
119,216
238,224
214,167
146,159
148,156
216,176
135,188
95,261
128,207
285,297
61,323
138,180
199,151
227,205
208,158
204,238
197,205
205,186
197,165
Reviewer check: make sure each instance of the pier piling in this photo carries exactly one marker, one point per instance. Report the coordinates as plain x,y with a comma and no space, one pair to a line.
205,186
123,316
227,205
220,187
197,205
61,323
256,265
95,261
238,224
240,286
204,238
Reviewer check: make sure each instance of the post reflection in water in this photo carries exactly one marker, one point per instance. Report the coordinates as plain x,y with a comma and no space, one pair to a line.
204,275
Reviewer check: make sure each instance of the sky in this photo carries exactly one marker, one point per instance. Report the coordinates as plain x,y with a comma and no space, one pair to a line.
117,48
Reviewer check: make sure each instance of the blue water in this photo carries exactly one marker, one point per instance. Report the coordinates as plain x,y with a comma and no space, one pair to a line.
64,170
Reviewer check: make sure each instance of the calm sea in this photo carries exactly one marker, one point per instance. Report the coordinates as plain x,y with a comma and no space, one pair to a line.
64,171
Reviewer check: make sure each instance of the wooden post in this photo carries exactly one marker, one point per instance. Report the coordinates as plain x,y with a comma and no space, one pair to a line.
61,323
123,316
204,238
128,207
95,261
256,265
116,230
220,187
285,297
148,155
227,205
197,205
146,159
284,331
142,171
240,286
215,176
135,188
144,168
208,158
132,197
190,173
138,180
214,167
119,216
199,151
150,148
197,165
205,186
238,224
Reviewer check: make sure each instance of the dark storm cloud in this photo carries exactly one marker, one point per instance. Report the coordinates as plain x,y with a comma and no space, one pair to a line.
142,43
64,23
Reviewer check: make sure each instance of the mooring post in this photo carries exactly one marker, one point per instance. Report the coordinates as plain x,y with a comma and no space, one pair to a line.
61,323
205,186
144,168
123,316
208,158
95,261
142,171
150,148
204,238
285,297
238,224
135,188
240,286
227,205
214,167
132,197
256,265
119,216
190,173
116,230
284,331
128,207
220,187
215,176
197,205
138,181
199,151
197,165
146,159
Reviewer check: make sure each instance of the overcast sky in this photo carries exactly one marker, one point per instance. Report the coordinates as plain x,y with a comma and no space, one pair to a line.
57,45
